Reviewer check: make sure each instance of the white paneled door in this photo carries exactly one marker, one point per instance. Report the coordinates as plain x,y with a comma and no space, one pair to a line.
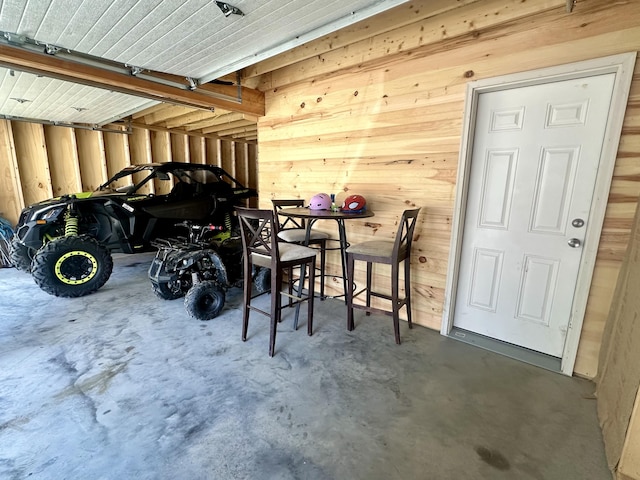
534,166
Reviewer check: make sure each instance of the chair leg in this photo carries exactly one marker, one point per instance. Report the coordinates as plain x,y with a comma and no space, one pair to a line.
369,275
350,292
323,257
246,300
276,279
407,289
303,275
395,300
290,282
312,279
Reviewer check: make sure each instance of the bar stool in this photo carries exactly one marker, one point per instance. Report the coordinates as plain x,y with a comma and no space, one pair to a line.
261,248
294,230
390,253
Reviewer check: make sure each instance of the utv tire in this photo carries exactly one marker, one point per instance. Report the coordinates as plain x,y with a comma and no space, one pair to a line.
262,280
165,292
20,255
204,300
72,266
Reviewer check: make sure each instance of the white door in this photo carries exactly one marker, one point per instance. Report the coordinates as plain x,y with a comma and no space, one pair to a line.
535,160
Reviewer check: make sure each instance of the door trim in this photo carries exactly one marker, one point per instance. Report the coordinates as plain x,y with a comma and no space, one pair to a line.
622,65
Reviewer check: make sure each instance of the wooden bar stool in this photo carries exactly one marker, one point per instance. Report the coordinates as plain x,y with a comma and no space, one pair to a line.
261,248
294,230
390,253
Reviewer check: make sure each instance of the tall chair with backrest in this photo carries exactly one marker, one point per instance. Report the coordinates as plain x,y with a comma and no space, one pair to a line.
294,230
261,248
390,253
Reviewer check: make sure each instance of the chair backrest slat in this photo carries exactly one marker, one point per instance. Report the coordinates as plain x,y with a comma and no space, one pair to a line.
288,222
404,235
259,232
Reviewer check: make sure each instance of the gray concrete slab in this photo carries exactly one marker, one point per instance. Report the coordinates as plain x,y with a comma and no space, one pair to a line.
123,385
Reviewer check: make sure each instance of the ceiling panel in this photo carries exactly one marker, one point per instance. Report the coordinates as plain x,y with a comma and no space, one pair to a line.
189,38
34,97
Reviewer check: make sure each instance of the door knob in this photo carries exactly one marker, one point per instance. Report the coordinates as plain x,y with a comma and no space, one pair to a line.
577,222
574,242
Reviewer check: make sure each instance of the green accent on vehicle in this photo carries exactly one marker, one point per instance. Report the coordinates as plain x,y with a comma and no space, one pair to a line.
76,267
77,195
48,238
220,237
83,194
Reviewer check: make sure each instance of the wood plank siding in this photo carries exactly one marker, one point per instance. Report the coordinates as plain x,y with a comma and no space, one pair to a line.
377,110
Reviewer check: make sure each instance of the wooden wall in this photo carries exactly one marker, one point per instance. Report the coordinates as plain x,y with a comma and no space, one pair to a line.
618,379
377,109
39,161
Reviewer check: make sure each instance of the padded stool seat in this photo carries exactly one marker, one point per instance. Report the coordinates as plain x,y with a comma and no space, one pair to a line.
378,248
299,235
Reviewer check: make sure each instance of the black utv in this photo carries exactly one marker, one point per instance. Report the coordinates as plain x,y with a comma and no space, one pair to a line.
66,242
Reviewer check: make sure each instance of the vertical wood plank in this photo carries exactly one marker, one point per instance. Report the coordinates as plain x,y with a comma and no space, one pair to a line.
228,157
252,169
161,153
179,148
242,163
33,162
91,158
63,160
11,198
140,153
197,149
117,156
213,152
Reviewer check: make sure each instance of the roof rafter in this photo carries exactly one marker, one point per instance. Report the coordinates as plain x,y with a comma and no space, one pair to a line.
252,101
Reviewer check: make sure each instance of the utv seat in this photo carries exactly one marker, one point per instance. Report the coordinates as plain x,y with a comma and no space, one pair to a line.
182,191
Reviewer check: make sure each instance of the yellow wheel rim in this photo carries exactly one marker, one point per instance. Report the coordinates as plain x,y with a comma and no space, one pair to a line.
76,267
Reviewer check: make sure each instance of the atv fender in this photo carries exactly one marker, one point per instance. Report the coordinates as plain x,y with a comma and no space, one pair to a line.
215,259
168,264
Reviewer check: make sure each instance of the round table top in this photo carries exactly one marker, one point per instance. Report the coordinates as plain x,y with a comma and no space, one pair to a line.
304,212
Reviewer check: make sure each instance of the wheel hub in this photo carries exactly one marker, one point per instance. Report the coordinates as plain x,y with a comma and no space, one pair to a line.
76,267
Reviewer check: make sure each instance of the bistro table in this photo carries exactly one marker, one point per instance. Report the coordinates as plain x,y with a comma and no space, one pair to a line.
312,216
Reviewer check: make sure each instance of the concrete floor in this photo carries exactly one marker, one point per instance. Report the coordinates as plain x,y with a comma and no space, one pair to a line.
123,385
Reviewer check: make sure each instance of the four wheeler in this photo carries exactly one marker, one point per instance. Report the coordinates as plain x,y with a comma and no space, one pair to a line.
66,242
201,267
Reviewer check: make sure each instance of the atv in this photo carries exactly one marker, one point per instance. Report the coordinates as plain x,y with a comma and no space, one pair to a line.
201,267
66,242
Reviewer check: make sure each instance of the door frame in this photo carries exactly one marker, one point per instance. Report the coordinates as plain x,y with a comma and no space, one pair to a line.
622,66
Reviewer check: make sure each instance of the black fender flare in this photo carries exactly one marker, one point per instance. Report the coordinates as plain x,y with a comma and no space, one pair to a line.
190,258
223,277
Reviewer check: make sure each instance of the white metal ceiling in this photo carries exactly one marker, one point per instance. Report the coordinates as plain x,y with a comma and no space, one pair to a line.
25,95
191,38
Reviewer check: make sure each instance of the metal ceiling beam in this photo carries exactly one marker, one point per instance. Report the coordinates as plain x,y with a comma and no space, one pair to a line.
80,126
204,96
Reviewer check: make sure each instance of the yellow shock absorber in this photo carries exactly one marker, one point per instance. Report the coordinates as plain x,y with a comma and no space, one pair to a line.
70,224
227,222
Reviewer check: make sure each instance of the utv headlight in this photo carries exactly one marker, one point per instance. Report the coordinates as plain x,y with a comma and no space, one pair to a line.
47,214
